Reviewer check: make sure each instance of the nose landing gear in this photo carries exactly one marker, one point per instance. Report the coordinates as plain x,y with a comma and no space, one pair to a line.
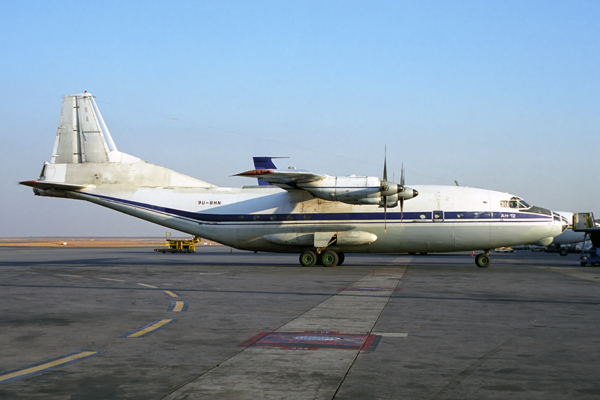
483,260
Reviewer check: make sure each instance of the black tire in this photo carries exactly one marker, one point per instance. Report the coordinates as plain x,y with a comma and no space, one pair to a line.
308,258
329,258
583,264
341,258
563,252
483,260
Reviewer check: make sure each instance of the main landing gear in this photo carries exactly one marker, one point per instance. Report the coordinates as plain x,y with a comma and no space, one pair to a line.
327,258
483,260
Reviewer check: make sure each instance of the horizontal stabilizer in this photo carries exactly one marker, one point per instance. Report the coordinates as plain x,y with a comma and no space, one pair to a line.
51,185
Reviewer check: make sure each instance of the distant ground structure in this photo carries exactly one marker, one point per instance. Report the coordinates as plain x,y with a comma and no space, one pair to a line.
88,242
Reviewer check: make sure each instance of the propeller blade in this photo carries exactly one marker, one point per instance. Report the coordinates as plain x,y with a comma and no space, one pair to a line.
384,197
385,165
402,176
401,210
384,214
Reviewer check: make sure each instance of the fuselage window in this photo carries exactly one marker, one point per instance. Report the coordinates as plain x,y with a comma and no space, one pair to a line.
517,203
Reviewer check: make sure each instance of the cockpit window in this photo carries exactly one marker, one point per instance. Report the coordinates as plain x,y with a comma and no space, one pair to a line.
515,203
523,204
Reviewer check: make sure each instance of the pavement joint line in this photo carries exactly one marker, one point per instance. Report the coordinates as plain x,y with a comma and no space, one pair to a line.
47,365
150,328
322,294
569,271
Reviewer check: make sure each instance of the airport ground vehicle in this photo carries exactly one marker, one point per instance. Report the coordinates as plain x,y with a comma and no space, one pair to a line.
591,256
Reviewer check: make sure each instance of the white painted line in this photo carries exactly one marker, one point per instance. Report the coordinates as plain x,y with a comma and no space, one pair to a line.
390,334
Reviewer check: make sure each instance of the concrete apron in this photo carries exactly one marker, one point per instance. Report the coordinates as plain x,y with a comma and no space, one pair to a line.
273,373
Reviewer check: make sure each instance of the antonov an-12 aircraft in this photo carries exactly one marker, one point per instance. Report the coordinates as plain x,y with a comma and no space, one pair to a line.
320,217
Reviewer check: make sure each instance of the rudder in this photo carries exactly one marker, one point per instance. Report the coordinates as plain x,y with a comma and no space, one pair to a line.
82,136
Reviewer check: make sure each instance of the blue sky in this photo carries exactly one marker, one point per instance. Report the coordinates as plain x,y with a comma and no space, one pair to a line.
501,95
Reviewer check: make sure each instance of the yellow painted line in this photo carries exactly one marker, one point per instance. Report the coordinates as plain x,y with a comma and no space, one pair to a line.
48,365
150,286
150,328
170,293
74,276
115,280
178,306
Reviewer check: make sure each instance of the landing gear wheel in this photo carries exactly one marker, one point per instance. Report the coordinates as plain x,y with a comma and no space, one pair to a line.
563,252
341,258
329,258
583,264
308,258
483,260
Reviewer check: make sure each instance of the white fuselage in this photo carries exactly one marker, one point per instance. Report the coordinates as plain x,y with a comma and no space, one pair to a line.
441,218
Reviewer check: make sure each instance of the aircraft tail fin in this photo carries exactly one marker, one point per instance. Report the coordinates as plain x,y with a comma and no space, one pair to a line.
82,135
85,154
264,163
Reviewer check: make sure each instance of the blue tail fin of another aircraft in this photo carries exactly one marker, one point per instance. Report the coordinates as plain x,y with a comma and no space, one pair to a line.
264,163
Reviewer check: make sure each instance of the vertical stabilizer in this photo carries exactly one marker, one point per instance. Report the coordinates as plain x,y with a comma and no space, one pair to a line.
85,154
82,136
264,163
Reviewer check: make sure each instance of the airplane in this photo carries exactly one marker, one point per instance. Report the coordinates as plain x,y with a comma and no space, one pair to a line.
569,236
320,217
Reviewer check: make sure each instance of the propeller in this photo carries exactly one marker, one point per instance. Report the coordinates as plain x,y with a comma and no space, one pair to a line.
393,189
385,187
402,198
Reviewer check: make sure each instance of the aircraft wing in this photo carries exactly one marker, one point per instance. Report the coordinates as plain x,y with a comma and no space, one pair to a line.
279,177
51,185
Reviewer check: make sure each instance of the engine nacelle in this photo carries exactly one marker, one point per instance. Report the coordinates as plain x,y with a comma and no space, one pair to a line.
358,190
407,193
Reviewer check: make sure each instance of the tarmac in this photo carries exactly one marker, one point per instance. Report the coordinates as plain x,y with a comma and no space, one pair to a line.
131,323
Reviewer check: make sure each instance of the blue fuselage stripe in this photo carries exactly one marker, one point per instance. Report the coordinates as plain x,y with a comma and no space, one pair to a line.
424,216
